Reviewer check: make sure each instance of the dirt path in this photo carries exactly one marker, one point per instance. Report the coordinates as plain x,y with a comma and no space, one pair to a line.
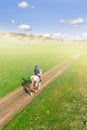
18,99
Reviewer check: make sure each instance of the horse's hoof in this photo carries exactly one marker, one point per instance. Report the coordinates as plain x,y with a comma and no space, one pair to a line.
85,122
31,94
35,91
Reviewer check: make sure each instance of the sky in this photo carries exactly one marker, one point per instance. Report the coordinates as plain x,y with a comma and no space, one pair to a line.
57,18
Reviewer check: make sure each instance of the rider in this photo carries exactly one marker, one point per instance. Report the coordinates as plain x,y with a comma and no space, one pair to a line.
37,71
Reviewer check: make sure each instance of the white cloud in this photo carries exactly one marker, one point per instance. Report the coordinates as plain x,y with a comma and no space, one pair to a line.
47,35
24,27
62,21
57,35
77,21
84,34
66,36
74,22
23,4
13,21
77,37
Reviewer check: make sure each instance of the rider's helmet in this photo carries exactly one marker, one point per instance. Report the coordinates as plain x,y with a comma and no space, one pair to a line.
36,66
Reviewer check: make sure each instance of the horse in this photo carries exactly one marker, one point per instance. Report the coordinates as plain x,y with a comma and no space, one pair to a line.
34,83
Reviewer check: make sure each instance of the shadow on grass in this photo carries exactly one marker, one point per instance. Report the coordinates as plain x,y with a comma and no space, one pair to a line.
25,84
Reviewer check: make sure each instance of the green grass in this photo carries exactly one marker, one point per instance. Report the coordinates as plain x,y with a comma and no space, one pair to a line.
18,57
62,106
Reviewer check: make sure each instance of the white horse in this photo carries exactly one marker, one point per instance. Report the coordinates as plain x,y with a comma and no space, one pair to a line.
35,82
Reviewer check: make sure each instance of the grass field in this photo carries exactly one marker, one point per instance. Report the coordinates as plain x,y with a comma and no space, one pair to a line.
62,106
18,57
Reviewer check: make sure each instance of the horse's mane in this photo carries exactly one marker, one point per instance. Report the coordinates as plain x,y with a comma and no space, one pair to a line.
40,71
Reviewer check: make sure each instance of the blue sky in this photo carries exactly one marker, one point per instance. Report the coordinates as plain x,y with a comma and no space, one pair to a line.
63,18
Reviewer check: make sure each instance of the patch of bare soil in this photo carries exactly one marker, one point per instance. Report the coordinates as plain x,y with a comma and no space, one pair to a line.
18,99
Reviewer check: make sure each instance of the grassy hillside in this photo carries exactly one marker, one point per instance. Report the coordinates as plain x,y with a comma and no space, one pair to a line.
62,106
18,57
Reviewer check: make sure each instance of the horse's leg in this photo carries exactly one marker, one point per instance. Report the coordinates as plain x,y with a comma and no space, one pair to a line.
36,86
39,86
29,89
32,87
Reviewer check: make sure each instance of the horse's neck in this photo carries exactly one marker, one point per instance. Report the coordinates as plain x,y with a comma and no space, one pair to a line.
40,73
